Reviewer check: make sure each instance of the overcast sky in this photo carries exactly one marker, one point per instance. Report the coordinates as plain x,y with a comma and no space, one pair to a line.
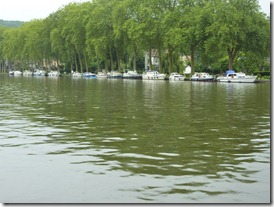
26,10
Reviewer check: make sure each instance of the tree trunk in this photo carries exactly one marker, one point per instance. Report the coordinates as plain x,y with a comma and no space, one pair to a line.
111,59
80,61
170,62
160,61
71,67
71,63
75,62
58,65
106,65
231,56
86,63
98,64
192,51
118,59
48,65
134,60
150,59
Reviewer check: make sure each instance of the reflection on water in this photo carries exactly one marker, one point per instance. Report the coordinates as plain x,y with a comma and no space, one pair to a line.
80,140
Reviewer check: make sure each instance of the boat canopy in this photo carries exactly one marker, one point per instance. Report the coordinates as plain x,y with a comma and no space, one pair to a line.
230,72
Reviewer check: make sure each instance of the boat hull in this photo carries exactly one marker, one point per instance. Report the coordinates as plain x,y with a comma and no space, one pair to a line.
202,79
115,77
90,76
132,77
237,80
101,76
177,78
145,77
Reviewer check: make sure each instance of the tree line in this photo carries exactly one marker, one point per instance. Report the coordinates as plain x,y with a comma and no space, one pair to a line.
115,34
6,23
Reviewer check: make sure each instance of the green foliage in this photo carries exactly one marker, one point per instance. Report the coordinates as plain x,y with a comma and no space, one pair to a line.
114,35
237,26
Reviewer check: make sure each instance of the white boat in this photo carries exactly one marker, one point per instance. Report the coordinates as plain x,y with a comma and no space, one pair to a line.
153,75
27,73
114,74
76,74
53,74
39,73
176,76
201,77
17,73
233,77
11,72
101,75
132,75
89,75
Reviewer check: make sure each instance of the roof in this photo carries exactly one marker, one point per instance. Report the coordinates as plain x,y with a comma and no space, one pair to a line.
230,72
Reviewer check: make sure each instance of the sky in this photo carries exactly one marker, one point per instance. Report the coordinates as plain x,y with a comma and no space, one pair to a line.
27,10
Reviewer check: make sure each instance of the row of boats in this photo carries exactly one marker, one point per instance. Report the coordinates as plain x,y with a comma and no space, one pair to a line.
230,76
35,73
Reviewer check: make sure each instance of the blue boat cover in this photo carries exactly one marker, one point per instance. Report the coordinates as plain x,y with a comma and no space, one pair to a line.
229,72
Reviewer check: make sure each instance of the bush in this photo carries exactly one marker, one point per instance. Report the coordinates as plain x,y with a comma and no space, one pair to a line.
262,73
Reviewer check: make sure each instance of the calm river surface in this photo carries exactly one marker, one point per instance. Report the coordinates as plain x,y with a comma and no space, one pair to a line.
66,140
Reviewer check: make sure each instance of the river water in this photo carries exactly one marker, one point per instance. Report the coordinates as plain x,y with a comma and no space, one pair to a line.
66,140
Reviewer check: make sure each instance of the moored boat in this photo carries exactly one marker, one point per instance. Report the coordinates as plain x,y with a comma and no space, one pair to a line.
89,75
232,77
76,74
17,73
101,75
53,74
39,73
132,75
176,76
201,77
114,74
153,75
27,73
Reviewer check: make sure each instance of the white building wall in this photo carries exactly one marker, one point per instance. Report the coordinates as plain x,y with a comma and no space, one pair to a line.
154,61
